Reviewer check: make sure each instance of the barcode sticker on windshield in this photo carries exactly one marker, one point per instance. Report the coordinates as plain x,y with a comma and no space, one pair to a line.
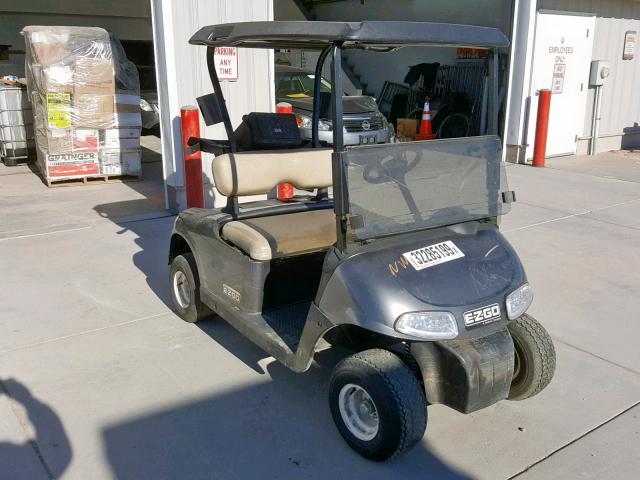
432,255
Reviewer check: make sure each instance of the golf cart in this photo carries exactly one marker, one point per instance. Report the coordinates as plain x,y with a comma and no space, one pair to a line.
403,264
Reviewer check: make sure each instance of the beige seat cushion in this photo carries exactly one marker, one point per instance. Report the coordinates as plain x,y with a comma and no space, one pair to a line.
255,173
283,235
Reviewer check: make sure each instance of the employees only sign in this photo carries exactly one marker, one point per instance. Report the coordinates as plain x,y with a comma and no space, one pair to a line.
226,61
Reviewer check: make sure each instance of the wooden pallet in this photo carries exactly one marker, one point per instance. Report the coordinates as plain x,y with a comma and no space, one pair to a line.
92,180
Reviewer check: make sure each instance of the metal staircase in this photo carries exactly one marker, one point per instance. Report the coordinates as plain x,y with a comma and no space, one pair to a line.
356,79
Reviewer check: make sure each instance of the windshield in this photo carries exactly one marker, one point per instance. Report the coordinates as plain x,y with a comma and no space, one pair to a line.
400,187
298,84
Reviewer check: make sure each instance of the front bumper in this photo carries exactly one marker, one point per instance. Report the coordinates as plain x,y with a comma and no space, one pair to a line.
466,375
350,138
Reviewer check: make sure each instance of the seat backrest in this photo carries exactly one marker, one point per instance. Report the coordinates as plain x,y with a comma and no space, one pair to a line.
255,173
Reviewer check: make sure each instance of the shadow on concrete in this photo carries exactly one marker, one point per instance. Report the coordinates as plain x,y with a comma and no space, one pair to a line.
152,236
151,224
279,427
49,448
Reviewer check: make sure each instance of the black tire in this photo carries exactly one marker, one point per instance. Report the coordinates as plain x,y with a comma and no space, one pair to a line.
396,394
454,126
535,358
190,309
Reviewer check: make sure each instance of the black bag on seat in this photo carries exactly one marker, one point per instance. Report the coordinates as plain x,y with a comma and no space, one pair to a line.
262,131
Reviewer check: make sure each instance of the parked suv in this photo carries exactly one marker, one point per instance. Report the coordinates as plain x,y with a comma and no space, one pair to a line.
363,122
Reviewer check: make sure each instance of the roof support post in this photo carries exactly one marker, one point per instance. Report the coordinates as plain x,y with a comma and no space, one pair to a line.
215,83
232,206
317,85
340,201
336,97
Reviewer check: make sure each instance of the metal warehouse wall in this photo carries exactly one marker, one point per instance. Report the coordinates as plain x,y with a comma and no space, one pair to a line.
183,76
621,94
128,19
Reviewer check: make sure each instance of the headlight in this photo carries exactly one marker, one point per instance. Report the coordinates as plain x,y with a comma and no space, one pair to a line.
304,121
519,301
428,325
392,132
144,105
324,125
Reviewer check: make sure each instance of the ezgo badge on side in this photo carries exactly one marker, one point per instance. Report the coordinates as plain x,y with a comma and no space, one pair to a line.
431,255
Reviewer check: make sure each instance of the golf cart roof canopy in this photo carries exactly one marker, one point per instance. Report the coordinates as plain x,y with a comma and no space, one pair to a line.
367,34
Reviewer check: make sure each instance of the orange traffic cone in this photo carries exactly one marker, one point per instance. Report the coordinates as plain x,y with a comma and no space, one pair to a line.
426,132
285,190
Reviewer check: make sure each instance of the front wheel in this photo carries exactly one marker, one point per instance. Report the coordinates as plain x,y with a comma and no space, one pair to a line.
185,289
377,404
534,358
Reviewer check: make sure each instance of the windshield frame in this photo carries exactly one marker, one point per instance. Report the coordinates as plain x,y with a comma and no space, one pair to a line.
397,188
339,166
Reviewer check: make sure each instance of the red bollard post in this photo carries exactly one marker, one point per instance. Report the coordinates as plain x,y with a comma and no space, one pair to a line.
194,187
542,127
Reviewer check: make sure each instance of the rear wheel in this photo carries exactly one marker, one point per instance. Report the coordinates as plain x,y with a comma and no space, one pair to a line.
185,289
454,126
377,404
534,358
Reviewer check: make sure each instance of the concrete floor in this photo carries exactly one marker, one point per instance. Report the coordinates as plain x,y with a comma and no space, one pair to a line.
99,379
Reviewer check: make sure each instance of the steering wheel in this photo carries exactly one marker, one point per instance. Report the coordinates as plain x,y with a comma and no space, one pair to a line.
390,167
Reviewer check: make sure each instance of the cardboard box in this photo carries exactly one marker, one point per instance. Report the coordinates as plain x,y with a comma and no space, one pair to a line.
89,103
104,88
85,140
71,165
407,127
94,76
59,110
120,138
54,78
93,71
120,162
49,46
58,141
94,111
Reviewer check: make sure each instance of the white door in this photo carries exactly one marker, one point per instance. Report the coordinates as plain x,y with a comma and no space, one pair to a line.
561,62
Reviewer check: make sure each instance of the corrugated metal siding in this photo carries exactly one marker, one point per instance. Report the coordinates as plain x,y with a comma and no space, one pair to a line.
621,94
252,91
183,70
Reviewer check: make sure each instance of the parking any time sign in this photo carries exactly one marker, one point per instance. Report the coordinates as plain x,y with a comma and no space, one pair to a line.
226,60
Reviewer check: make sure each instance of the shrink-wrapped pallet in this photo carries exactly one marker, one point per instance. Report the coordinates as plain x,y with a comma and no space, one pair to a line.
81,85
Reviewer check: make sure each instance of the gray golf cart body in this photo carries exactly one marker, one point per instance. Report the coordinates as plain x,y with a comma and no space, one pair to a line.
389,202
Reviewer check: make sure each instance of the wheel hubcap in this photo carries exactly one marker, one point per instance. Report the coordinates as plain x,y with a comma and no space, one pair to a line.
181,289
358,411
